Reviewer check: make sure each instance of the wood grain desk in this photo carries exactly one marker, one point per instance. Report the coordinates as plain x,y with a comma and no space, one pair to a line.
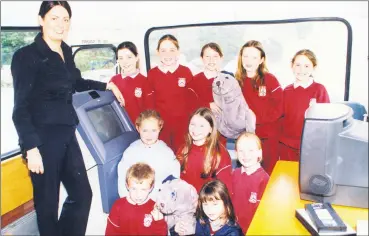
276,212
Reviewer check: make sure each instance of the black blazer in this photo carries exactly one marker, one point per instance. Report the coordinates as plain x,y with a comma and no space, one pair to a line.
43,88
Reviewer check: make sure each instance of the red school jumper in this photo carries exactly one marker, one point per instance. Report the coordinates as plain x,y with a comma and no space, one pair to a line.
268,108
247,193
134,90
171,97
296,101
128,219
202,88
195,167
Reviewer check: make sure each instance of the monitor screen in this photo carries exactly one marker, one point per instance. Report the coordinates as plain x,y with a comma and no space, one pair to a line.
106,123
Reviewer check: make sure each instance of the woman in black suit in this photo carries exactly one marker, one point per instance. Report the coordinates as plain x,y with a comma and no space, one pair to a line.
45,77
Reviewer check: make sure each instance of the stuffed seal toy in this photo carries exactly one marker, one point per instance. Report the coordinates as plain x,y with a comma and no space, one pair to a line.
235,116
177,201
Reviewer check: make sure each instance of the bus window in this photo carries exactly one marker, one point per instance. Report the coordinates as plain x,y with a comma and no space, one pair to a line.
328,39
96,62
11,40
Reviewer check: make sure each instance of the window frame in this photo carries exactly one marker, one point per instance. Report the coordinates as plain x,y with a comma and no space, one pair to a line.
81,47
13,153
285,21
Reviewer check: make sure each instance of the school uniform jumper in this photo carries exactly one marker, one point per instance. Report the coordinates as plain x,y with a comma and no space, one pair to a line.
44,117
158,156
128,219
195,166
268,108
134,89
203,91
247,193
202,87
296,101
170,93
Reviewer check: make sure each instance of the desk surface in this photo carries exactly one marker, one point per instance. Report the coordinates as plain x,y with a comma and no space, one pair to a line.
276,211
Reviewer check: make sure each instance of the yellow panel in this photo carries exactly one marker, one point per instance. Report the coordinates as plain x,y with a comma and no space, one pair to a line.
276,212
16,185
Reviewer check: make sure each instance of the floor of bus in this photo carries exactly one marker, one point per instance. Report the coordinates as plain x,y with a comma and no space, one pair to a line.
27,225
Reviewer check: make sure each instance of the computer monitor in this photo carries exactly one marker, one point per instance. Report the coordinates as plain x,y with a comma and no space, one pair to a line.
334,156
106,123
107,131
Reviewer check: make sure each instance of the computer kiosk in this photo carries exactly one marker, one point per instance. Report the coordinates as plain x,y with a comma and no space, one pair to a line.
107,131
334,156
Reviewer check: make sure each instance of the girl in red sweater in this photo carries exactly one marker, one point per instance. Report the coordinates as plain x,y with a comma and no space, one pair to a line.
297,98
264,95
202,156
212,57
131,83
169,90
249,181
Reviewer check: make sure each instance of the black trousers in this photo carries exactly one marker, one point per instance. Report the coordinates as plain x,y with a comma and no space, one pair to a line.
63,162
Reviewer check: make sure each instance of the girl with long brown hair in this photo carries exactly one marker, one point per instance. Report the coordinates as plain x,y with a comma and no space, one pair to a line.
203,157
264,96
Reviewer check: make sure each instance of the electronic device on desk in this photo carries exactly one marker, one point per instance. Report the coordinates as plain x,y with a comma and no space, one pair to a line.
325,217
303,216
334,156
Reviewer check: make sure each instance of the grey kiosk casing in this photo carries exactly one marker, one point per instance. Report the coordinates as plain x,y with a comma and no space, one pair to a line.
334,156
107,131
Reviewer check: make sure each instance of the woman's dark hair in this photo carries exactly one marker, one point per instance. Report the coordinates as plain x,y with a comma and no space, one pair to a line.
47,5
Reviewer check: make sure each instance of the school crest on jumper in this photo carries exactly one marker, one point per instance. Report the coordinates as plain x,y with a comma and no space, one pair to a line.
253,197
138,92
147,220
262,91
182,82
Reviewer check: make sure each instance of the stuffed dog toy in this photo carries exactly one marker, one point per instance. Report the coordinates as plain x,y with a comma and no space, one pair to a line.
235,117
177,201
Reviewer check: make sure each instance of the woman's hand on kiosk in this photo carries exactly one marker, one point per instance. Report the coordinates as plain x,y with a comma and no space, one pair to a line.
35,163
111,86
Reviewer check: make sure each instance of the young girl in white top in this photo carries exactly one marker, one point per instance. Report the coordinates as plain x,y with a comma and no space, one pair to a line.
150,150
